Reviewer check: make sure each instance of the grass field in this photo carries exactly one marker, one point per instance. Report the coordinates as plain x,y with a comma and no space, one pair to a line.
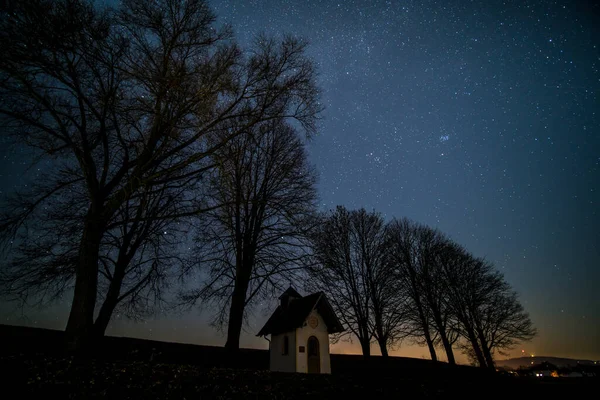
33,364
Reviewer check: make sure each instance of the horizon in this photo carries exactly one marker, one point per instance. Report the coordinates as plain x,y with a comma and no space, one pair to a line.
195,332
479,119
334,347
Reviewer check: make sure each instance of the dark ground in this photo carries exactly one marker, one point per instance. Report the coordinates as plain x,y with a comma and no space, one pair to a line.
32,363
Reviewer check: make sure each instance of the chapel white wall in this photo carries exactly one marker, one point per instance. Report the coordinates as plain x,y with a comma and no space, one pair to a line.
302,335
278,361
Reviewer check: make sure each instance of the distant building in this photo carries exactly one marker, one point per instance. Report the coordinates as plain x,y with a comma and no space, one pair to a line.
540,373
544,369
299,330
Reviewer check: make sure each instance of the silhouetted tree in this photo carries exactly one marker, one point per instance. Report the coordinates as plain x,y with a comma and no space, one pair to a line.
136,255
501,321
430,279
350,265
462,273
390,309
44,254
139,256
263,193
129,99
388,299
406,246
489,314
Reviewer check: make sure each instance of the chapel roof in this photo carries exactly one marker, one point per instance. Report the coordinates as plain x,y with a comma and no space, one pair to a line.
292,316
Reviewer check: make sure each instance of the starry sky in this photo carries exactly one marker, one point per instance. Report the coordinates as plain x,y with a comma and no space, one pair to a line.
479,118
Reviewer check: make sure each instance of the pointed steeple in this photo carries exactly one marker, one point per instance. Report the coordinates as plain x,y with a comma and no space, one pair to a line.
288,296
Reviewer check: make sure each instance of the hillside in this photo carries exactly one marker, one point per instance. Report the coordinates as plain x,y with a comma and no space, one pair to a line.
525,362
33,364
29,340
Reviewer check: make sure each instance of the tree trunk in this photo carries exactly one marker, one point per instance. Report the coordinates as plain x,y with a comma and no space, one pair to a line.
426,333
448,348
383,347
236,311
476,348
430,344
422,316
381,337
488,357
81,318
441,328
110,302
365,345
485,349
103,318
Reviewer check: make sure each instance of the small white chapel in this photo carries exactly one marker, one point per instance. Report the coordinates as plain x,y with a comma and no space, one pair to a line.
299,330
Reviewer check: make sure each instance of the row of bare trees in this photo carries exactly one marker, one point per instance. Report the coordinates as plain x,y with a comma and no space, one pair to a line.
402,280
132,113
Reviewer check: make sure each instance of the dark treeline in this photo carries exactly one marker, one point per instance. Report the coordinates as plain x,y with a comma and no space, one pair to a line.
129,114
402,280
173,171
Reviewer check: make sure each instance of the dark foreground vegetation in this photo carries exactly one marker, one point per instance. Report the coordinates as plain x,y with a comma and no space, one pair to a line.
33,364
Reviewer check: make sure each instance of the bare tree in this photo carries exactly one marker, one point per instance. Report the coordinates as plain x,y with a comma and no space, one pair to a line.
139,257
350,265
489,316
387,299
390,309
430,247
263,191
406,249
462,272
501,321
43,255
136,253
129,99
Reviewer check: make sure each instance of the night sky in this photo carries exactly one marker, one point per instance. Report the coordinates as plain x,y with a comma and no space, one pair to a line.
479,118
